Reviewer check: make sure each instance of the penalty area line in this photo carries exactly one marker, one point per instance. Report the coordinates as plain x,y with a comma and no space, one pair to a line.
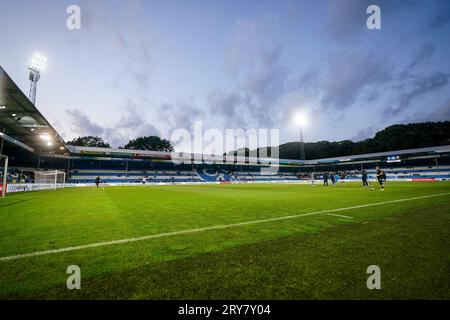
218,227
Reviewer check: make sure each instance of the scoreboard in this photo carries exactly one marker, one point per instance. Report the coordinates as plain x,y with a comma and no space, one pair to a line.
393,159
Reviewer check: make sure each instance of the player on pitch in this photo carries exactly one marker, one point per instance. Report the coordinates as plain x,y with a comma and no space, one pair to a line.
97,181
364,179
380,176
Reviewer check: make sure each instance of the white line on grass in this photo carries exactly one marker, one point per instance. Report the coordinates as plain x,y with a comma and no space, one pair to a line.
339,215
174,233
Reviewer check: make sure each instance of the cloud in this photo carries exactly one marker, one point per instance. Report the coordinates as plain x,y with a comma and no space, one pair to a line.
413,87
365,133
349,74
424,53
131,124
129,41
442,17
178,115
371,76
229,105
254,58
441,113
267,80
81,125
346,19
262,90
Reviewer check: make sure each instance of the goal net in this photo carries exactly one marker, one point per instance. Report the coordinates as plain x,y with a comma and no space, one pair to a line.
50,179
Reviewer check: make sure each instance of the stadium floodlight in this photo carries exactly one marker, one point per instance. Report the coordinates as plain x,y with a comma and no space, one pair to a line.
37,64
302,121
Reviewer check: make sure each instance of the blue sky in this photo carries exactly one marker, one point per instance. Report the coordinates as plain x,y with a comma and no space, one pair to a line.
149,67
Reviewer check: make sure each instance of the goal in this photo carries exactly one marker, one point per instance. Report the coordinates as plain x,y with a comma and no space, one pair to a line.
3,174
50,179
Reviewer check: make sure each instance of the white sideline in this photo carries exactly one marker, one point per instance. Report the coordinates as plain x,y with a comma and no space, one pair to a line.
174,233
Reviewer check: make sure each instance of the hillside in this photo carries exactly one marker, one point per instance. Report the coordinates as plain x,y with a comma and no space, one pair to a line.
396,137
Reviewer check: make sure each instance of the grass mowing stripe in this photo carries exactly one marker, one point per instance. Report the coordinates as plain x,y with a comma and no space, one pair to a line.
174,233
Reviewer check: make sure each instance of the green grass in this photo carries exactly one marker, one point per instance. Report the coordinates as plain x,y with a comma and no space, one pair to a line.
310,257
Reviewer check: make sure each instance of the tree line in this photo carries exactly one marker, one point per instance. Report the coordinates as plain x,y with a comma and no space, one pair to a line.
153,143
395,137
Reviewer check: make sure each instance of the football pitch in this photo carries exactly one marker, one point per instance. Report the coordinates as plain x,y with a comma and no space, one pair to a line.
243,241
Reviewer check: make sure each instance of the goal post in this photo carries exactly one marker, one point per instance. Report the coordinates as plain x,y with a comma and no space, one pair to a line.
50,179
4,173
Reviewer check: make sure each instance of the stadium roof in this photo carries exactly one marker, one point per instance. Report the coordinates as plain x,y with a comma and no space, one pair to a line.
21,122
428,151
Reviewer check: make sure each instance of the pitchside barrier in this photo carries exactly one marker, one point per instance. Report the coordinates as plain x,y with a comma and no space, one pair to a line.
22,187
4,166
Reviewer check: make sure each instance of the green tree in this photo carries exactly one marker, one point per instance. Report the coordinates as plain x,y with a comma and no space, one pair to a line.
153,143
89,141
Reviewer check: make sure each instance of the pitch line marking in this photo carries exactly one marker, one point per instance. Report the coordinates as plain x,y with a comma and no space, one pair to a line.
174,233
339,215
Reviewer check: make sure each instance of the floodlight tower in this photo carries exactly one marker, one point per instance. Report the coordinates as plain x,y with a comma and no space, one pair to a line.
37,65
302,121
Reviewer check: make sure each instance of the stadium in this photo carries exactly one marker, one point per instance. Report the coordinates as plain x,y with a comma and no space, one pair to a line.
217,158
156,229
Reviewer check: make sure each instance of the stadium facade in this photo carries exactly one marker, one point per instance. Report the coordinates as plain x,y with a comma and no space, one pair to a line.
32,144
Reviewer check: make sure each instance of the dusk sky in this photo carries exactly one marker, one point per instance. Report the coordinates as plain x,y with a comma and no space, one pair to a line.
149,67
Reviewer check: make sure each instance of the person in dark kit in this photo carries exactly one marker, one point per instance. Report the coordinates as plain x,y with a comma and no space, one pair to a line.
97,181
379,175
325,178
333,178
364,179
384,176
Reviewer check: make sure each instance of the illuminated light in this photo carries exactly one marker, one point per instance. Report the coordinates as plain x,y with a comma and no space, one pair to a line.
61,148
13,115
49,143
38,62
45,137
301,119
2,107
